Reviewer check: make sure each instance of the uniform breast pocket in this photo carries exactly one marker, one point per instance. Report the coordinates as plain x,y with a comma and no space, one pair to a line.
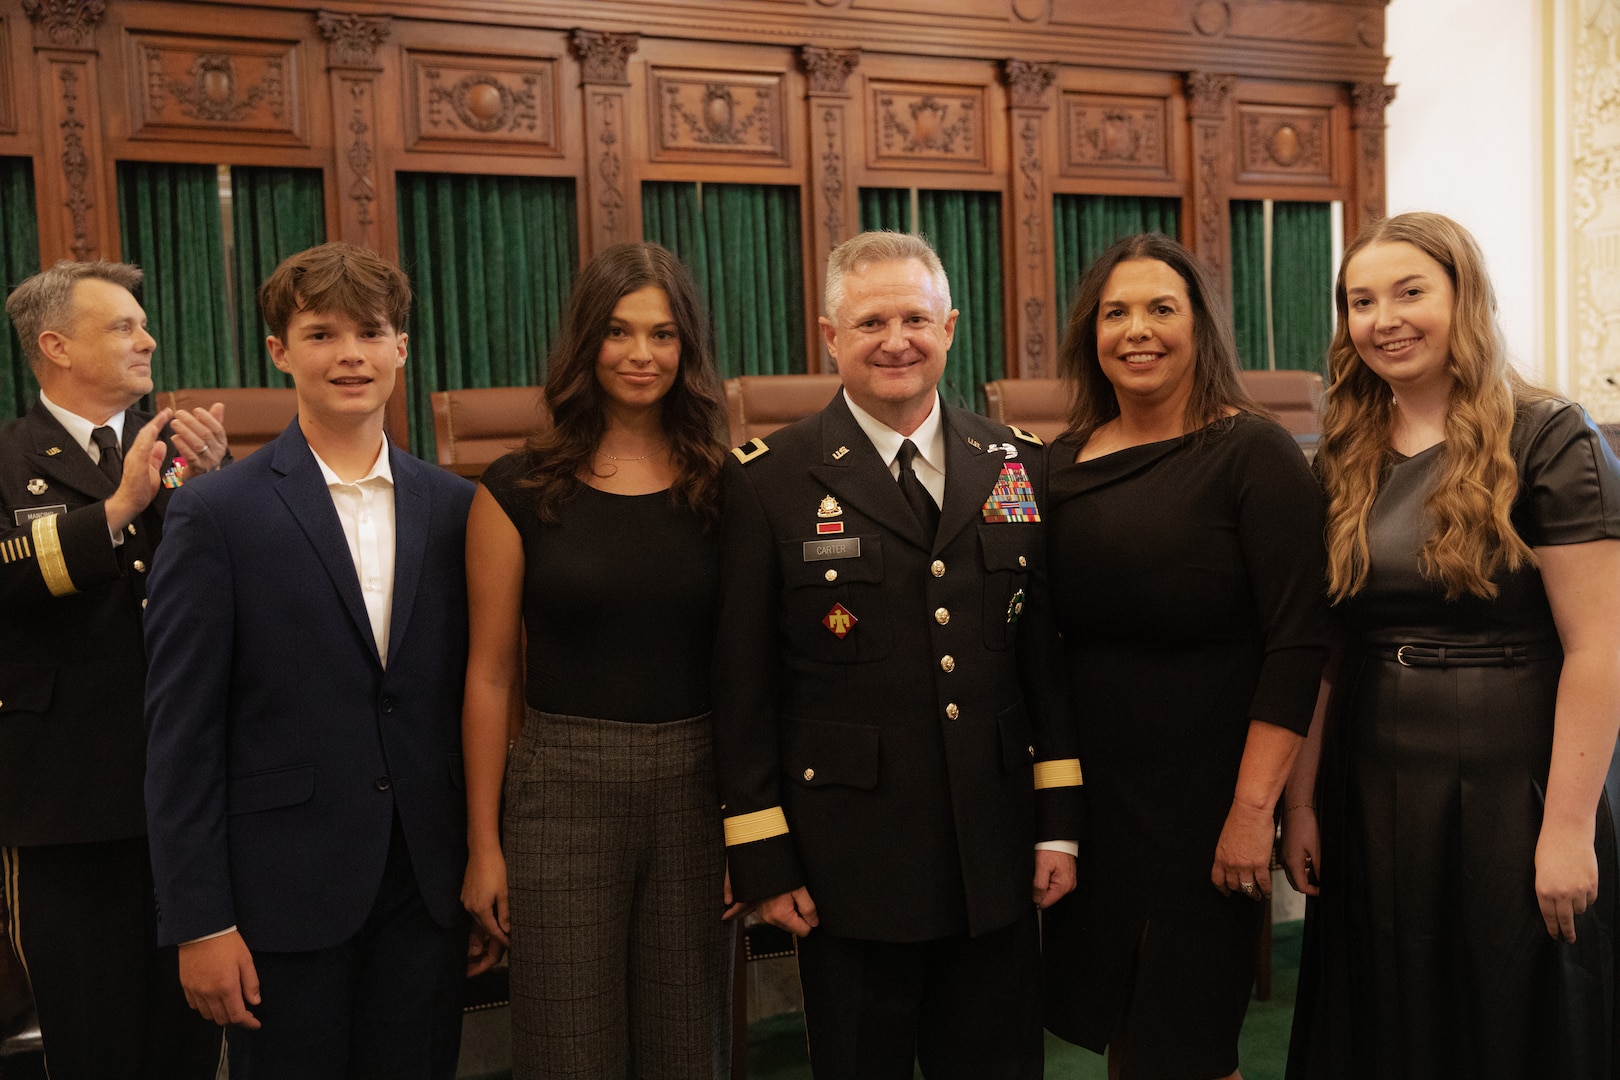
833,609
26,688
1009,550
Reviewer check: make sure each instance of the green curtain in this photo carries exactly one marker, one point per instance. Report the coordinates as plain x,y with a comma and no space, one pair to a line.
1249,282
1301,283
1084,225
490,259
169,223
19,258
886,208
274,213
965,228
742,244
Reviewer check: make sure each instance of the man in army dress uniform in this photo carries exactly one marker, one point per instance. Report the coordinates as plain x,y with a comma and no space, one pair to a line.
890,739
84,479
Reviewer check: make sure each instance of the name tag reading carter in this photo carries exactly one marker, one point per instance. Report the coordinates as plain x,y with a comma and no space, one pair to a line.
847,548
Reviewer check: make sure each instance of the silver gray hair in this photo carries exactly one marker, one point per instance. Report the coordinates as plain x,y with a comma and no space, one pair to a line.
45,301
878,247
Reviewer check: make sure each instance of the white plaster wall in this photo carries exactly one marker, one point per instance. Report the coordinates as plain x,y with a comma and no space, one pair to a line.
1465,140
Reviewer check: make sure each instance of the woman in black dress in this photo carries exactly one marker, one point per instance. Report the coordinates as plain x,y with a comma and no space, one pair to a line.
594,543
1465,871
1186,554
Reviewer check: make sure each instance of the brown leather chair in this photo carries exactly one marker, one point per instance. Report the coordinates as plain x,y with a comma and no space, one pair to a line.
757,405
254,415
1612,433
1038,406
1294,397
471,428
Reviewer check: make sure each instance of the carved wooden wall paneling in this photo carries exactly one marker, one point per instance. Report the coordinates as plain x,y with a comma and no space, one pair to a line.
1367,104
920,125
214,89
8,85
1030,243
708,116
834,199
1209,111
483,104
612,216
1285,145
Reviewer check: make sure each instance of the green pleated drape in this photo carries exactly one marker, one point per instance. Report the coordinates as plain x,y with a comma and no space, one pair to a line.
491,259
1249,282
274,213
1301,283
170,226
1084,225
19,257
742,244
965,229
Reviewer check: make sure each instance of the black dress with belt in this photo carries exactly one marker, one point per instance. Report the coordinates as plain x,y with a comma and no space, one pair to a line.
1187,582
1426,954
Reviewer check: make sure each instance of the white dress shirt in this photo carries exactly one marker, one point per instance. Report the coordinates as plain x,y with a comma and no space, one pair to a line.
366,509
929,439
80,429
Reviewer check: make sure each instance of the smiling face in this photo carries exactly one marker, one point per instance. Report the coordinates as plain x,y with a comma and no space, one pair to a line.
1145,336
640,355
1399,314
104,364
889,337
343,370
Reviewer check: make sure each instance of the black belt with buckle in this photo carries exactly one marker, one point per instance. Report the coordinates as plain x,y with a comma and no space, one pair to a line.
1443,656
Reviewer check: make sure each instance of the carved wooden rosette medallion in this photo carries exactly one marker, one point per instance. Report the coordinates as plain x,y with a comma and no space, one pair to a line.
482,104
708,116
1209,101
1285,143
1367,104
1113,135
926,126
194,88
67,23
604,61
1028,101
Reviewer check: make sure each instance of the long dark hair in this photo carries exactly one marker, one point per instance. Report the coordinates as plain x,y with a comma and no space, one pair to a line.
693,416
1217,385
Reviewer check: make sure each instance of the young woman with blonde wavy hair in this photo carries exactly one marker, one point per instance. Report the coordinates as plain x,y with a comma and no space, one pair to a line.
1453,815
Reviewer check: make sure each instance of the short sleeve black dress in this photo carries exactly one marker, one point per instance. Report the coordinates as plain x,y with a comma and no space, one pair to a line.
1426,955
1187,583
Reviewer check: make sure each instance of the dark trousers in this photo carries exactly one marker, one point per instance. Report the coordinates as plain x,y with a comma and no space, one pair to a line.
963,1008
386,1004
82,921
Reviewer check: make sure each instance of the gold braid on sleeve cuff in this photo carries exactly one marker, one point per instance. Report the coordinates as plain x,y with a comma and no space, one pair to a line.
52,565
760,825
1065,772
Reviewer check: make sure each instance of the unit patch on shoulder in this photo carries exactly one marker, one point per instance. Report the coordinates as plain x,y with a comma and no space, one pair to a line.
1026,436
749,450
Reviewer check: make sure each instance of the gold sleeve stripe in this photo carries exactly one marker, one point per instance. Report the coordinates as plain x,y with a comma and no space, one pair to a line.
760,825
51,563
1064,772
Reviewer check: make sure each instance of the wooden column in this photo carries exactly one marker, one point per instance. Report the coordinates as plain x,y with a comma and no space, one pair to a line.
1208,228
78,218
351,65
835,211
1367,103
612,216
1030,330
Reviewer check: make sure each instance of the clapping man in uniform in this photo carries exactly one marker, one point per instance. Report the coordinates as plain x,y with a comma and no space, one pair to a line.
890,741
84,483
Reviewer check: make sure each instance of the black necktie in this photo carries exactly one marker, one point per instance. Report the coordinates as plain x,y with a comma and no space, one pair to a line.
112,460
922,503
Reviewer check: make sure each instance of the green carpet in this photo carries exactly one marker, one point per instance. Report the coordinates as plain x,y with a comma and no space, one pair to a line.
776,1046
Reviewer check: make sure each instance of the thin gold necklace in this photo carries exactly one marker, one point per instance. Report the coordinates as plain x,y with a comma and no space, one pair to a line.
643,457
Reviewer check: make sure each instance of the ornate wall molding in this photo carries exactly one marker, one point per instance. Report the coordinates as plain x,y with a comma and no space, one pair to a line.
1285,144
704,116
1367,104
1592,274
197,88
1027,82
483,104
8,88
831,173
604,59
352,39
76,162
1209,100
1112,135
828,70
924,126
67,23
1208,94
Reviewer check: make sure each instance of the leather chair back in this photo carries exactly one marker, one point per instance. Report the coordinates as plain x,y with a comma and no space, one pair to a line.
1294,397
254,415
474,427
1038,406
757,405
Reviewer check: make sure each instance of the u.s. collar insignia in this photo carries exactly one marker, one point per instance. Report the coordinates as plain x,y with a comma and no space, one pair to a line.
840,452
36,486
53,451
971,441
829,508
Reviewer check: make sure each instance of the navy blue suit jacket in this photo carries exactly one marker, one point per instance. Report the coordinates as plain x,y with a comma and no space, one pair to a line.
279,744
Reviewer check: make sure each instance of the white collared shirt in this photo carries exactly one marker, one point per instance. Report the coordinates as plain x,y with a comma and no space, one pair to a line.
929,439
80,428
366,509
